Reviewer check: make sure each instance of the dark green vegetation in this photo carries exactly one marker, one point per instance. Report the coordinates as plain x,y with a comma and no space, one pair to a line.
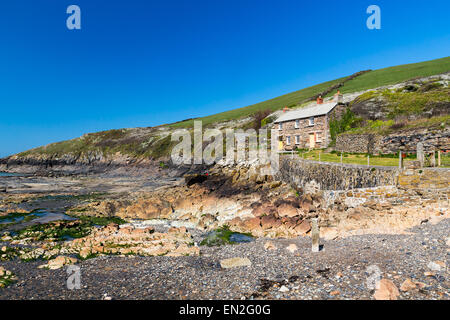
6,280
16,217
99,221
152,143
56,230
412,106
340,125
9,253
223,236
63,230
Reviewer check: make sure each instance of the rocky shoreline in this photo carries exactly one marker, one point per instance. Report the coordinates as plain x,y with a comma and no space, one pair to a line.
340,271
167,235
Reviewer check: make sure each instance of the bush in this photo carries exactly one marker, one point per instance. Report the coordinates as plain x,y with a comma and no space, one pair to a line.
258,118
346,122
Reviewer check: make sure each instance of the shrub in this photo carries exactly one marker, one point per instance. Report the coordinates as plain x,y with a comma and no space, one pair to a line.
258,118
346,122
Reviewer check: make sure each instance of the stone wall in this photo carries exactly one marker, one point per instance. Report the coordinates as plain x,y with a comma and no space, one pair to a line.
432,139
334,176
434,180
357,143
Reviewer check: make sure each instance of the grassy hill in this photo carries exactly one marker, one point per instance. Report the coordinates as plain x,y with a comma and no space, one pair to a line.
155,142
369,80
393,75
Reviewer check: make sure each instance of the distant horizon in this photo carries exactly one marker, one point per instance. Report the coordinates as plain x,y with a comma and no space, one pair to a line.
137,64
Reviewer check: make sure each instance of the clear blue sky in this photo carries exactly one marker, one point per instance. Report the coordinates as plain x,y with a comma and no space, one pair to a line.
148,62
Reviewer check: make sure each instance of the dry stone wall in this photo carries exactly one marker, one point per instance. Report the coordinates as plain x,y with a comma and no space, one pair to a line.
334,176
432,139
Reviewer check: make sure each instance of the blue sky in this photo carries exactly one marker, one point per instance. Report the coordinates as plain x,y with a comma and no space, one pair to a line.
144,63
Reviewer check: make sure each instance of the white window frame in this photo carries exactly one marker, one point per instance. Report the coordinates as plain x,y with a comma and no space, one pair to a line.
297,139
288,140
297,124
280,126
311,121
318,136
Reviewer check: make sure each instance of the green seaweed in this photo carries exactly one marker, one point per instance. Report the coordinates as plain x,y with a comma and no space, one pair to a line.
221,236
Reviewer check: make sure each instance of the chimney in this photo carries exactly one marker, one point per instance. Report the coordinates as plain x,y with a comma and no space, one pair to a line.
319,100
338,98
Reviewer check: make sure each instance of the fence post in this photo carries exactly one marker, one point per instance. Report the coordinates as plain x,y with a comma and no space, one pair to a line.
320,152
433,159
400,159
368,160
420,154
315,234
439,158
341,157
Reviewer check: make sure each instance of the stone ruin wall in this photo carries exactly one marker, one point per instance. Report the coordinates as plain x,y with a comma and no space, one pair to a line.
406,141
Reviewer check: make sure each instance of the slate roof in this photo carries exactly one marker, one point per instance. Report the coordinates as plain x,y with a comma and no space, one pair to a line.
315,110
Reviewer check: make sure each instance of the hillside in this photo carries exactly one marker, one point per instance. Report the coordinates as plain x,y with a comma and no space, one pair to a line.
154,143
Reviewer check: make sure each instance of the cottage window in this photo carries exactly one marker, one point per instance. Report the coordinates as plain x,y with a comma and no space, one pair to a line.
297,139
311,121
288,140
297,124
318,137
280,126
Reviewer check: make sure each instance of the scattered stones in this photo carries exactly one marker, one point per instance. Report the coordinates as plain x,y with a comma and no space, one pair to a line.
235,262
386,290
408,285
134,241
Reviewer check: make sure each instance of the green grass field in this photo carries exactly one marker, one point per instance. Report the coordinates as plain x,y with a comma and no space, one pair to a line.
361,158
393,75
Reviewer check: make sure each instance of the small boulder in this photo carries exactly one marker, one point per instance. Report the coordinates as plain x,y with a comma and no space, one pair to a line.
235,262
303,228
284,289
328,233
436,265
408,285
269,245
59,262
292,248
386,290
287,210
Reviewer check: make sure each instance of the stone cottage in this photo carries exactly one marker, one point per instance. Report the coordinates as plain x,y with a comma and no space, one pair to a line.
307,127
